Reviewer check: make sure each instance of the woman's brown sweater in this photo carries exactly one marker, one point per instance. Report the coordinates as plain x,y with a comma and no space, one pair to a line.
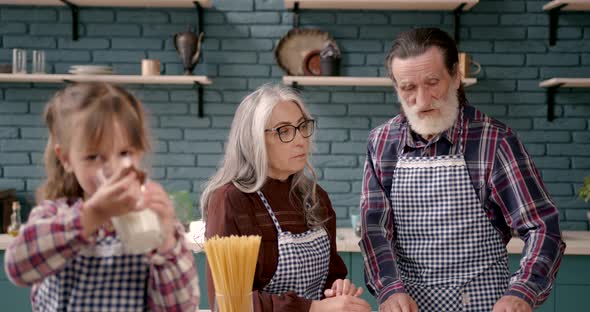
232,212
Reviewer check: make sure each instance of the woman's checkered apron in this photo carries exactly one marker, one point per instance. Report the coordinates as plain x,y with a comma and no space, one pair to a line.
450,256
303,261
101,278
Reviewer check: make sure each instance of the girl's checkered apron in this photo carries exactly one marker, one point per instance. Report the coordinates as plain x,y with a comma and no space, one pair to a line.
100,278
303,261
450,256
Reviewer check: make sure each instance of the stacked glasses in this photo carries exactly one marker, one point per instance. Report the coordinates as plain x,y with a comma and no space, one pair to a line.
19,61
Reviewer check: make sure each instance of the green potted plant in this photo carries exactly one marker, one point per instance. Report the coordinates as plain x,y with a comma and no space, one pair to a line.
585,192
184,207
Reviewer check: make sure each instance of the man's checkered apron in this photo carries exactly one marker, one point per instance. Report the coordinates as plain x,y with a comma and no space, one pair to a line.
100,278
303,261
450,256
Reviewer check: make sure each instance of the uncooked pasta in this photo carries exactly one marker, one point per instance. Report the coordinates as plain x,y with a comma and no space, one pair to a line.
232,261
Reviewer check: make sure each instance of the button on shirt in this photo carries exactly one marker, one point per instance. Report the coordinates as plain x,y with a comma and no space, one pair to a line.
505,179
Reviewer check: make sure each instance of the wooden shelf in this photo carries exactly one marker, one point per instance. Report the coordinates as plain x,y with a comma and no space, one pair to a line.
74,6
457,6
197,81
554,83
435,5
114,3
118,79
568,5
554,7
566,82
349,81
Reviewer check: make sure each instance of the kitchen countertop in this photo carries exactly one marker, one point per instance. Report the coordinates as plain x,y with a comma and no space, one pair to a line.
578,242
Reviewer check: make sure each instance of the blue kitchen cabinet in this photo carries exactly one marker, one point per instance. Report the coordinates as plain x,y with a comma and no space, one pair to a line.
570,291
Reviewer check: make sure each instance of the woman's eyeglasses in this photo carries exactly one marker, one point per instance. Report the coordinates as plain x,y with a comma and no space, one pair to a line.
287,132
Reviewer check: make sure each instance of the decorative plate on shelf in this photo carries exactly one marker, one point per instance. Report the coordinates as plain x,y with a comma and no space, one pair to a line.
293,51
90,70
311,64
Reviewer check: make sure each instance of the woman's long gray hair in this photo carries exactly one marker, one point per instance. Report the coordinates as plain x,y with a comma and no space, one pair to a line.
245,162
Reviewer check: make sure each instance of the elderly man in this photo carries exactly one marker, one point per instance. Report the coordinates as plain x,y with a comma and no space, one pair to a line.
444,185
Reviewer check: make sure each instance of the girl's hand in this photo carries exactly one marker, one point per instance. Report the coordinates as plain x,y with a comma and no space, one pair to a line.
340,303
118,195
343,287
156,199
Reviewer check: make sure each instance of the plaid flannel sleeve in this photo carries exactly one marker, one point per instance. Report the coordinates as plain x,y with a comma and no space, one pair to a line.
382,276
173,283
518,191
51,236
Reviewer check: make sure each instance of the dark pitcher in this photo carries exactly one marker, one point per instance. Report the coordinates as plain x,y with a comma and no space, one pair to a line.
188,46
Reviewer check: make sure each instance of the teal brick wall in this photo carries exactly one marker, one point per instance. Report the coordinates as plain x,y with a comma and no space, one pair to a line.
508,37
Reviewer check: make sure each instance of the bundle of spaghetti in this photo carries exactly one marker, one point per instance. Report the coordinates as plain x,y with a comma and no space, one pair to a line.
232,261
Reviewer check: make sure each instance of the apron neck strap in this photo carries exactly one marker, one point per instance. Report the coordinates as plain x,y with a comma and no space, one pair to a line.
462,124
270,212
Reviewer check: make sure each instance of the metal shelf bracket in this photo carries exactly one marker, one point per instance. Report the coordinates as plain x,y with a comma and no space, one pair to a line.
295,85
199,16
296,15
199,99
75,14
551,101
457,13
197,84
553,23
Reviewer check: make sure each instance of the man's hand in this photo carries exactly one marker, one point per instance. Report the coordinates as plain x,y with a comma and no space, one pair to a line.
399,302
512,304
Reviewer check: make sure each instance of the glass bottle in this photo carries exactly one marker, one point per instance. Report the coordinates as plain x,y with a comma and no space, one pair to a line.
15,221
357,229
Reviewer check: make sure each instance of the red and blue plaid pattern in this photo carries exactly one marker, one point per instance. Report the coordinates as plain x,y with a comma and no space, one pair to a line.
504,178
51,255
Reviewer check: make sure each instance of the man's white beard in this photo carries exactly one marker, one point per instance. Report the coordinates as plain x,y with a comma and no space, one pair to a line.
433,124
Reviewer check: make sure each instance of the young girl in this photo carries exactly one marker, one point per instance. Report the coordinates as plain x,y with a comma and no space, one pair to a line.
68,250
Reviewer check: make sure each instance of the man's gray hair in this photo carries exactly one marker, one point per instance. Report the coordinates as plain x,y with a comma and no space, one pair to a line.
417,41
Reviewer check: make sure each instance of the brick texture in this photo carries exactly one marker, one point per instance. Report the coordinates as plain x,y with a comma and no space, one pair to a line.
508,38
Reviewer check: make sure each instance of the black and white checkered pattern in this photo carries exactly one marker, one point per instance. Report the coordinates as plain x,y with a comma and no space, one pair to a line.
303,261
101,278
443,298
450,256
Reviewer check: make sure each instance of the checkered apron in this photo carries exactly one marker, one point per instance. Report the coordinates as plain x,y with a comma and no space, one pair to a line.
450,256
303,261
101,278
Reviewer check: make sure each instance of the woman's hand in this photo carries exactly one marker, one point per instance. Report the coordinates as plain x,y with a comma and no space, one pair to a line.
343,287
343,303
156,199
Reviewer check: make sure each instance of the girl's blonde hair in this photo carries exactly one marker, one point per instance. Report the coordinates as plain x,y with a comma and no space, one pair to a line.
89,110
245,162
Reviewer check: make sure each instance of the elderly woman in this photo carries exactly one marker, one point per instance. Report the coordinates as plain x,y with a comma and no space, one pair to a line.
266,186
